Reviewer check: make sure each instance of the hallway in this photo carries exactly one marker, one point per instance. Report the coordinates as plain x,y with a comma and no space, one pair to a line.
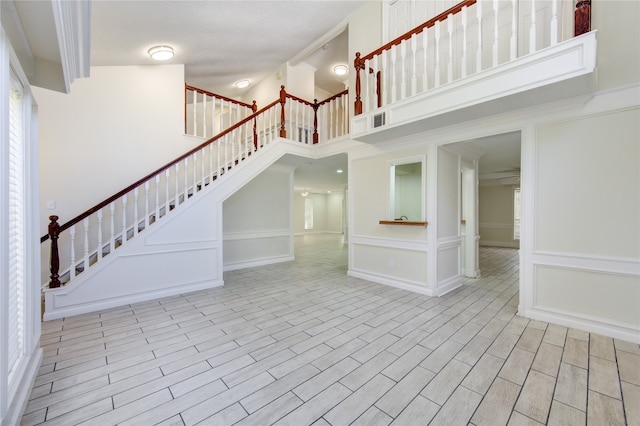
302,343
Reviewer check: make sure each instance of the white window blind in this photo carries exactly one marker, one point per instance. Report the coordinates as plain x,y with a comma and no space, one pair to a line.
16,306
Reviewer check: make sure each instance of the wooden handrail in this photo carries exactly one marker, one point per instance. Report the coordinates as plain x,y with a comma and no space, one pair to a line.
334,97
224,98
417,30
359,61
256,113
139,182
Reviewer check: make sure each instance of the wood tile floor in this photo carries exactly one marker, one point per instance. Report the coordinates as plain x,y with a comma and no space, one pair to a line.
302,343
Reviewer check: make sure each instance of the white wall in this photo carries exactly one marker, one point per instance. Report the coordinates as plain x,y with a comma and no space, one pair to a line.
110,131
496,216
327,212
258,222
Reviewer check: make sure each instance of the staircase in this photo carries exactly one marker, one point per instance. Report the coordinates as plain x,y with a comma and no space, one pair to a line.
152,239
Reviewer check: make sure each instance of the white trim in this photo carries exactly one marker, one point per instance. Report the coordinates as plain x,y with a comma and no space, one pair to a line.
588,323
412,286
589,263
257,262
396,243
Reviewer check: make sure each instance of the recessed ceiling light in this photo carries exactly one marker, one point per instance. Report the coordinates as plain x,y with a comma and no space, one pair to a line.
339,171
340,69
242,84
161,53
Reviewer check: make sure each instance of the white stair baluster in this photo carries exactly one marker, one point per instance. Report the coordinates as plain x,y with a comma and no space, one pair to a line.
85,222
157,197
146,204
213,116
72,261
99,252
414,81
186,179
403,73
496,34
177,194
204,115
463,60
554,22
112,236
479,49
194,108
203,155
385,78
450,54
425,60
436,81
394,90
167,202
135,211
195,172
513,42
124,219
532,28
210,172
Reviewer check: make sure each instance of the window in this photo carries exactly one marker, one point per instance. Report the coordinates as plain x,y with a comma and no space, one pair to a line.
308,213
516,214
16,231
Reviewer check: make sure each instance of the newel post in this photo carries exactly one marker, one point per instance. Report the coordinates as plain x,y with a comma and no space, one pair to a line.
315,121
54,260
358,64
254,108
582,21
283,100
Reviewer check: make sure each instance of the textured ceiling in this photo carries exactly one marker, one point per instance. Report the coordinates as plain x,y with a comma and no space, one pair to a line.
219,41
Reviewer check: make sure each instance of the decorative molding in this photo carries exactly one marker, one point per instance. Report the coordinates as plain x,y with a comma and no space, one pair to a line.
588,263
415,287
73,27
495,243
448,285
236,236
257,262
588,323
496,225
395,243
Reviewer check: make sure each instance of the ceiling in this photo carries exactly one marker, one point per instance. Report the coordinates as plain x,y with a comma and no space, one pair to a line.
223,41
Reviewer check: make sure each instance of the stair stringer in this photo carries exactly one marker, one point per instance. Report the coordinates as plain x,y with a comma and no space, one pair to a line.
181,253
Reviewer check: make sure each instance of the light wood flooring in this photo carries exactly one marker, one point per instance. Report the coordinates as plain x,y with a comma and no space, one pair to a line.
301,343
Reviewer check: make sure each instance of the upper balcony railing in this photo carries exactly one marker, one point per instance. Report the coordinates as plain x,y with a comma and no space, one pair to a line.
206,114
470,37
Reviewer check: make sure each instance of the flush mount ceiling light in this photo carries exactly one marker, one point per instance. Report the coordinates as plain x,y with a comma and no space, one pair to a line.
340,69
161,53
339,171
242,84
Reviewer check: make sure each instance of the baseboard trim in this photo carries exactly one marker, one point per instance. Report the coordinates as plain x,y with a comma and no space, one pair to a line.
259,262
591,324
379,279
68,311
23,392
